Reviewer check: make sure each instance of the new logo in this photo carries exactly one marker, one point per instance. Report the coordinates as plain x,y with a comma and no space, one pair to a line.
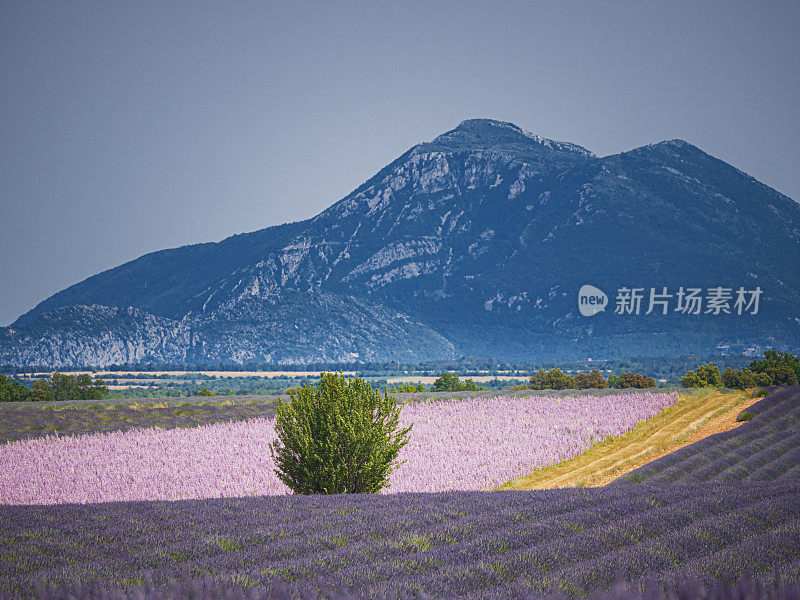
591,300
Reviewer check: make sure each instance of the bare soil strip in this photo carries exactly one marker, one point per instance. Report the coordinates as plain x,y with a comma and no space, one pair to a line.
693,417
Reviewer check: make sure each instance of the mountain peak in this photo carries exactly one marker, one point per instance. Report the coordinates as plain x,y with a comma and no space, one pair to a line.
490,133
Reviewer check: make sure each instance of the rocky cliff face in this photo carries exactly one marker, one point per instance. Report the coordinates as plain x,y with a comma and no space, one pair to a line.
473,244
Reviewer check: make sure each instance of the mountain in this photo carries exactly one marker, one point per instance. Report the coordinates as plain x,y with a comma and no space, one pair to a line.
475,243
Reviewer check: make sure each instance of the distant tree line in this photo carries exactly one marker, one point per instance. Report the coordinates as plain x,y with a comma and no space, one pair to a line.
556,379
56,388
670,368
776,368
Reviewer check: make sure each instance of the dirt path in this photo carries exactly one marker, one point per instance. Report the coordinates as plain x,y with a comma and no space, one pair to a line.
694,417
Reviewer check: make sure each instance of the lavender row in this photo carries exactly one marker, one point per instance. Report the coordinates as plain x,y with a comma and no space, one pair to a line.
446,545
674,588
766,448
32,421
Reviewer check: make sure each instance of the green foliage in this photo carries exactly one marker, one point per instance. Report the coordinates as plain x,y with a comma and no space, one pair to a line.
592,380
13,391
408,388
554,379
706,376
636,380
760,393
780,375
449,382
691,380
206,392
778,363
614,381
743,416
67,387
762,379
709,373
738,380
339,436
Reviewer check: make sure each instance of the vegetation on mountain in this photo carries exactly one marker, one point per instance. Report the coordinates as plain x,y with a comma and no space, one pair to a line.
474,244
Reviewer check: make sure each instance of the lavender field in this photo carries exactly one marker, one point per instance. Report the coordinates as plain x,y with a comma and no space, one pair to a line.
466,444
733,515
447,545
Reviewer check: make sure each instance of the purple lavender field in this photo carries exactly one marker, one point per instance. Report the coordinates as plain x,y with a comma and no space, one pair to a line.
721,513
447,451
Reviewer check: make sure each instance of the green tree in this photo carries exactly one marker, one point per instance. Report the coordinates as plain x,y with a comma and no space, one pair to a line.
554,379
762,379
738,380
710,375
13,391
781,375
66,387
705,376
449,382
636,380
591,380
776,360
691,380
408,388
206,392
339,436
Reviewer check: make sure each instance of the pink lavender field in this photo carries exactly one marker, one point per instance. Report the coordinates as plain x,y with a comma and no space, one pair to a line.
471,444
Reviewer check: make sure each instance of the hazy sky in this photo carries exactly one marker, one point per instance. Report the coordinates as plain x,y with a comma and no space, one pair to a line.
128,127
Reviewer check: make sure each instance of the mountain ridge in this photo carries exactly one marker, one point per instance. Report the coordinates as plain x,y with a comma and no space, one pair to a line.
477,241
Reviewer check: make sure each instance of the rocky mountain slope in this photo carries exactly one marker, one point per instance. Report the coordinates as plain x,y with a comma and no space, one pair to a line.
473,244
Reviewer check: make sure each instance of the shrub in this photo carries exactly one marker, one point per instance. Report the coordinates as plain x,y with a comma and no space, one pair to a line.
745,415
760,393
554,379
337,437
592,380
206,392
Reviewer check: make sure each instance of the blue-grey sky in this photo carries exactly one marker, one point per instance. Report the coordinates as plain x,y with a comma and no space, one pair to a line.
128,127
